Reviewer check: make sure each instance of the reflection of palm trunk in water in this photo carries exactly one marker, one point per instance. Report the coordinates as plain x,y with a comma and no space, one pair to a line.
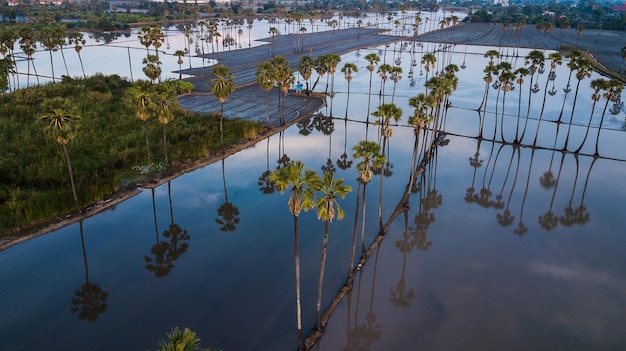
156,225
548,221
521,228
506,219
82,241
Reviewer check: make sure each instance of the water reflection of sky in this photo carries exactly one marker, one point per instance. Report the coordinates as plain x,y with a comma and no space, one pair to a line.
478,286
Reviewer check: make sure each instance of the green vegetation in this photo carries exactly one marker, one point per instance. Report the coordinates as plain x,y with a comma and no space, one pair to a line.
107,148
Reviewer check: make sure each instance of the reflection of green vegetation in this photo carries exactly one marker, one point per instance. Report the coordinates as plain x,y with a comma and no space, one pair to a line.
34,183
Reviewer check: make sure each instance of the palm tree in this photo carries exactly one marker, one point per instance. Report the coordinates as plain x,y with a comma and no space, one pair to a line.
521,73
396,75
145,38
506,78
302,185
584,69
321,67
555,59
383,71
428,60
165,101
8,36
333,61
222,83
332,189
596,85
305,67
333,24
385,113
613,89
28,46
62,126
284,78
372,60
156,38
49,40
180,340
369,152
143,101
535,61
77,39
266,77
180,54
347,70
152,68
273,33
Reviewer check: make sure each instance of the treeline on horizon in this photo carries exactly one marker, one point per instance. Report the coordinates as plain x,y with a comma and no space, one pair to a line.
108,148
100,15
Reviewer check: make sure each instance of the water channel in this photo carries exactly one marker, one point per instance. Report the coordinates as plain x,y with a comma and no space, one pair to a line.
500,247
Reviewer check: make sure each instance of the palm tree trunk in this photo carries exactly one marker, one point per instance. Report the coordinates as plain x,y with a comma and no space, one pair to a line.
51,65
356,224
165,145
81,65
321,280
569,127
222,125
296,250
64,61
596,154
71,173
363,220
145,130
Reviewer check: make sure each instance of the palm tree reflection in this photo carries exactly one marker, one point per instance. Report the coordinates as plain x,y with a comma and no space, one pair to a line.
90,300
227,213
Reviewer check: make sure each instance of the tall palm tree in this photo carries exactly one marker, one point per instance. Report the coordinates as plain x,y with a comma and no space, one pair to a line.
165,101
333,24
152,68
62,126
347,70
372,60
535,62
266,77
555,59
613,89
140,94
28,46
369,153
385,113
222,83
145,38
273,33
284,78
8,37
396,75
180,54
327,207
428,60
305,67
521,73
584,69
77,39
157,38
596,85
333,61
301,184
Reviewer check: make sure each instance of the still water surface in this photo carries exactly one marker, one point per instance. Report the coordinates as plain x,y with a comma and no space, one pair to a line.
502,247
